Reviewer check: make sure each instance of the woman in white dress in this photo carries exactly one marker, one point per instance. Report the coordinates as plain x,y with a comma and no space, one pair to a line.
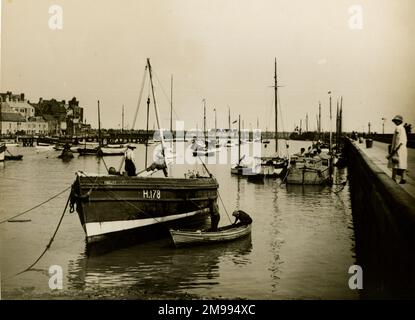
398,154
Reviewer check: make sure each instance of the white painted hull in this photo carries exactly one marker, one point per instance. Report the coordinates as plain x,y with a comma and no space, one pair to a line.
115,151
189,237
96,231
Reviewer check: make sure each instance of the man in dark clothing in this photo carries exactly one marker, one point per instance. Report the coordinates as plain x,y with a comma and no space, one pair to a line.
242,217
129,161
214,215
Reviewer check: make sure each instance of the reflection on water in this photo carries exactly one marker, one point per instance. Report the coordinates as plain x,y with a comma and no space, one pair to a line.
158,266
301,244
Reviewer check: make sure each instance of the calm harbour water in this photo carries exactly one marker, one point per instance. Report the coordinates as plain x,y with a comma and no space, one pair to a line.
301,247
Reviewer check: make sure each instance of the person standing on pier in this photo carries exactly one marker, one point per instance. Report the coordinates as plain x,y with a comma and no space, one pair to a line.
398,153
129,161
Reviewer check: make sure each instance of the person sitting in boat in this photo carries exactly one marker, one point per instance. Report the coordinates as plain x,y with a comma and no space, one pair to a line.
242,217
214,215
129,161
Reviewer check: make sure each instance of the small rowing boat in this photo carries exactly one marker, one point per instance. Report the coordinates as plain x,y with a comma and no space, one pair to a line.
223,234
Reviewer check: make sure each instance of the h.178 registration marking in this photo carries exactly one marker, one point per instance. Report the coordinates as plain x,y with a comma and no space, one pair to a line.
151,194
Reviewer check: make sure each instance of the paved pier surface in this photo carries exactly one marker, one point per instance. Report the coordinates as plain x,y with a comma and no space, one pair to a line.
378,155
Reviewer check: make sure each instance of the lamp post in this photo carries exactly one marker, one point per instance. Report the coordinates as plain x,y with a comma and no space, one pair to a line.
383,125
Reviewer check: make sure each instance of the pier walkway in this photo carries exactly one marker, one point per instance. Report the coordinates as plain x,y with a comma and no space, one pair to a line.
378,156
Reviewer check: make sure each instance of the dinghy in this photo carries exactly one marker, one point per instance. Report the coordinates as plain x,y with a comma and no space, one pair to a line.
223,234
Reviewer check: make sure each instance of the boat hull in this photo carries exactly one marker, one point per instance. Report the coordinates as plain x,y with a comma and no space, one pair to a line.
110,205
307,176
192,237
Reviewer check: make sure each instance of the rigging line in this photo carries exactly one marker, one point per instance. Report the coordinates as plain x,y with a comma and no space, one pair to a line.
220,198
164,92
223,205
139,97
37,206
105,164
50,241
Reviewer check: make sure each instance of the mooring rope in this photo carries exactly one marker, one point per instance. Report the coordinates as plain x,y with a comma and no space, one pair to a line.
343,185
50,241
220,198
36,206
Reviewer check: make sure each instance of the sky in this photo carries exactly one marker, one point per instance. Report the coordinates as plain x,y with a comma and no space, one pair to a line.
219,50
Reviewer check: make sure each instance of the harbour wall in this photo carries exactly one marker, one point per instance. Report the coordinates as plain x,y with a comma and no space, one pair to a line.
387,138
384,224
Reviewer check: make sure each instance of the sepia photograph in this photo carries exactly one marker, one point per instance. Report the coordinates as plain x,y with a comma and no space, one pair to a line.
207,150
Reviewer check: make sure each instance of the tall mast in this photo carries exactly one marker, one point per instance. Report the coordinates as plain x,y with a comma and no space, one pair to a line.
239,141
148,112
341,116
337,124
122,120
330,141
216,126
276,106
229,118
99,126
171,104
156,110
319,120
204,119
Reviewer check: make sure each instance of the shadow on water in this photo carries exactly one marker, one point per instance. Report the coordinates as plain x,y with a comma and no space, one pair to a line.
156,267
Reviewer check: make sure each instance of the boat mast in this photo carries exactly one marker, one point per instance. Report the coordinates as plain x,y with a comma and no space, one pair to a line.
148,111
204,120
171,105
229,118
276,105
330,144
216,127
239,141
122,120
331,117
319,120
99,126
156,110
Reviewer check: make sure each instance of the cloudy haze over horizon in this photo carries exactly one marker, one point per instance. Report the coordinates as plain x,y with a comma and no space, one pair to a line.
220,50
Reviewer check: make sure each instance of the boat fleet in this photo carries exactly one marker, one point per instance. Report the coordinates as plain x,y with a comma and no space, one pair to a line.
116,205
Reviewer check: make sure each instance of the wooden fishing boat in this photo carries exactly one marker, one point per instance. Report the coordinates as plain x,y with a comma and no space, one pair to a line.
107,205
223,234
113,206
308,171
